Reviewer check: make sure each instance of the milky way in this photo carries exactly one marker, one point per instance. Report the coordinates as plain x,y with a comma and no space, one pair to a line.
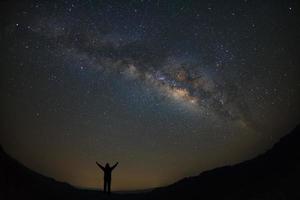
167,88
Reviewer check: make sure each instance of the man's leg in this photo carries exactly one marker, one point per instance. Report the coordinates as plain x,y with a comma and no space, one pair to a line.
104,186
108,184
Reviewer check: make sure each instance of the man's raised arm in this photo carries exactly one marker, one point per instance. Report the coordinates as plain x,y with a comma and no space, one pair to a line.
100,166
114,165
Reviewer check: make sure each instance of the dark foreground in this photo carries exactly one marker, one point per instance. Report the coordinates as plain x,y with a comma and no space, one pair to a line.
272,175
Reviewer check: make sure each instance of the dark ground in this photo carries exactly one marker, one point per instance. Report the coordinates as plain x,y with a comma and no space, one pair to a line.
272,175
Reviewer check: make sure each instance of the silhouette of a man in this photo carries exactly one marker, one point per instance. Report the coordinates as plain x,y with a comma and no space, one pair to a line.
107,176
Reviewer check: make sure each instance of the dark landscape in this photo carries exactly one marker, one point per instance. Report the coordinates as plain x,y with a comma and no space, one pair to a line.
272,175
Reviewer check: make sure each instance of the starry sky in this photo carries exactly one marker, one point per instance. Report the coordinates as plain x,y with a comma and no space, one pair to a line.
167,88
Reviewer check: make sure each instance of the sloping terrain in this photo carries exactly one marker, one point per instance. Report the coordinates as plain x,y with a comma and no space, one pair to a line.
272,175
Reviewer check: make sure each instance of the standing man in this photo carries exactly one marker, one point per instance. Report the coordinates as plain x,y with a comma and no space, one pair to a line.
107,176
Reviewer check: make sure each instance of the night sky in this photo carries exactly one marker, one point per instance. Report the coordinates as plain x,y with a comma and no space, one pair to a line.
167,88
